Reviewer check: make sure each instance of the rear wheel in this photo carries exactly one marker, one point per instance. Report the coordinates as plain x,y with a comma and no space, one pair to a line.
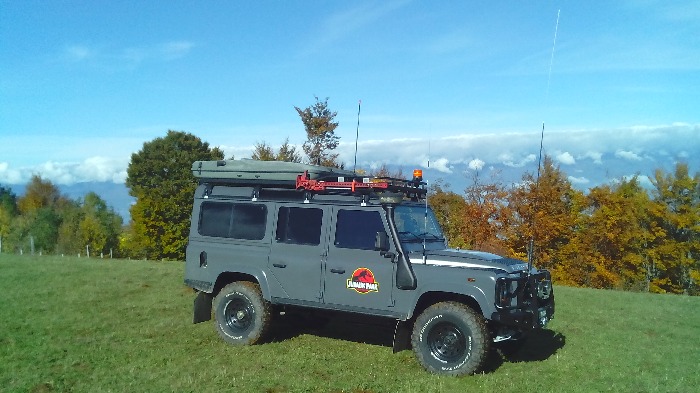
450,338
242,316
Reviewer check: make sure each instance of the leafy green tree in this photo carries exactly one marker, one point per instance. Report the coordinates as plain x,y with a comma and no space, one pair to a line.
448,207
263,152
109,223
39,193
89,222
40,217
8,200
160,177
483,214
69,241
8,211
609,248
546,211
676,253
44,229
92,234
320,133
286,152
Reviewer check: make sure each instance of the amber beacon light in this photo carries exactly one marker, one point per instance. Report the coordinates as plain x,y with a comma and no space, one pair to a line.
417,175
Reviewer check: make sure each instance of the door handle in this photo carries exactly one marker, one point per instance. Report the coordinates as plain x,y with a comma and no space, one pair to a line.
339,271
280,265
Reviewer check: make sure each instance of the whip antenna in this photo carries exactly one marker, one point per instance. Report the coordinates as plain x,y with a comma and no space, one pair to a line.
357,134
531,246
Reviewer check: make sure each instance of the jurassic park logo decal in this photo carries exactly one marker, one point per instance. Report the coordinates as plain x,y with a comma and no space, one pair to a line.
362,281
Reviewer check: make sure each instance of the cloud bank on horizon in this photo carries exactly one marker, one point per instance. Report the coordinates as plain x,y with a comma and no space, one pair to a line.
589,157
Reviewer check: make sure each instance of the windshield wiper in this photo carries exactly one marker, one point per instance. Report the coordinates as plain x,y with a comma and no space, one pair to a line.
425,235
416,238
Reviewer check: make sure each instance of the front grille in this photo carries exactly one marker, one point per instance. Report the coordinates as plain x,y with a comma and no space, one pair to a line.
523,290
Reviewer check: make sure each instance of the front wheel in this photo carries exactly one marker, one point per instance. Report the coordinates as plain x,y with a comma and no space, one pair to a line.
450,338
242,316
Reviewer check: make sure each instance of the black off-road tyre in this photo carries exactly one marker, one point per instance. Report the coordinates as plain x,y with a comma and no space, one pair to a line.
449,338
241,315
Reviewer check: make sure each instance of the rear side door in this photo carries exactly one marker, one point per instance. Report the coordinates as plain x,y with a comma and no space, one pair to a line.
356,277
297,252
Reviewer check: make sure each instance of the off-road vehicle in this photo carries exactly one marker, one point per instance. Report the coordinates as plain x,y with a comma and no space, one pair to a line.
271,236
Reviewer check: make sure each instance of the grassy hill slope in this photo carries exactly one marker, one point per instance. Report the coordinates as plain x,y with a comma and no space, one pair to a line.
80,325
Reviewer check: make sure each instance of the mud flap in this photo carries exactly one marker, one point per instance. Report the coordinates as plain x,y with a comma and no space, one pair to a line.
402,336
202,307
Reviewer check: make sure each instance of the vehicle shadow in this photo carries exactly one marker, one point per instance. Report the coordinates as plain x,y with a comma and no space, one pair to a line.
537,346
348,327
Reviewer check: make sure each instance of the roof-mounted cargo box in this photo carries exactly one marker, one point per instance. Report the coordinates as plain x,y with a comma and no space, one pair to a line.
263,173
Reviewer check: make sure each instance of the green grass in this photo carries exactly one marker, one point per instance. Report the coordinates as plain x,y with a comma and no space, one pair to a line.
80,325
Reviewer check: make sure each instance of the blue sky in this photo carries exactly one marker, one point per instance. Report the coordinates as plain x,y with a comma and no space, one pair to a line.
467,84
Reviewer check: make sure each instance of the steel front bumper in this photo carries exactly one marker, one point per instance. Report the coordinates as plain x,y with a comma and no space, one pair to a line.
524,301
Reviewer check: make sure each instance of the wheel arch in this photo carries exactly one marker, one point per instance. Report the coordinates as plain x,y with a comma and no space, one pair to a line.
228,277
429,298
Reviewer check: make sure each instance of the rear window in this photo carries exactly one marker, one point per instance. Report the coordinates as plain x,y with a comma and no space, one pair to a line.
233,220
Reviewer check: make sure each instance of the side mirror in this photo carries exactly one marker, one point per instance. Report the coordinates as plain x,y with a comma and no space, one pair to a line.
381,242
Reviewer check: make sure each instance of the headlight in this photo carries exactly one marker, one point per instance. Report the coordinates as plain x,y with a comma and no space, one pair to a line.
503,295
544,289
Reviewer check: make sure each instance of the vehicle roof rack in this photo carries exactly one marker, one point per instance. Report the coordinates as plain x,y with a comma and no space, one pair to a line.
310,179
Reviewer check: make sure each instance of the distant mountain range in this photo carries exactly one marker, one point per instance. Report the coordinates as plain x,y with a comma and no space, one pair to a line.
458,176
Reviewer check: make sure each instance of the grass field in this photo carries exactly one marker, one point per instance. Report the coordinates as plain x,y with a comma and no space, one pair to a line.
80,325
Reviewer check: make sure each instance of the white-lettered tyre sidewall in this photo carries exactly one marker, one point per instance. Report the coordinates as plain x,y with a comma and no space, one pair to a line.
438,364
235,336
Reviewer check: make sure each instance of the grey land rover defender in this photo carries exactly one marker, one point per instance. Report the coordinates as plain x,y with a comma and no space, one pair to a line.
266,236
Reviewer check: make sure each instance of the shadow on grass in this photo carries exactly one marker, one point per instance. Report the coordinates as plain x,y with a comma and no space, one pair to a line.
537,346
348,327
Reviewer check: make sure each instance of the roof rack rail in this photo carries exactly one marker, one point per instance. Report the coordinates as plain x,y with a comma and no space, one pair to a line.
413,189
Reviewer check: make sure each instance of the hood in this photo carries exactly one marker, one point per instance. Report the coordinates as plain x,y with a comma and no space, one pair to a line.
469,259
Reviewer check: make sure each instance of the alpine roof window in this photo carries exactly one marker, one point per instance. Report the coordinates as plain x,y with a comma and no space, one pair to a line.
237,221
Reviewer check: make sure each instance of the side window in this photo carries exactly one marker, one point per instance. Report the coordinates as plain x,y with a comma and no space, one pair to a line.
238,221
248,221
299,225
215,219
357,229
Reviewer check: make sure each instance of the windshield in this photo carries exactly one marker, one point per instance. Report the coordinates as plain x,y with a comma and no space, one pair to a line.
416,227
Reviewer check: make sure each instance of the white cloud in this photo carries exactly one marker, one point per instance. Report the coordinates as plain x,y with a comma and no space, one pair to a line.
508,160
628,155
442,165
78,52
565,158
175,49
163,52
595,156
476,164
344,23
578,180
8,175
93,169
129,56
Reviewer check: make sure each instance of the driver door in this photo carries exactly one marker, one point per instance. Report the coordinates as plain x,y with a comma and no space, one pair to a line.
356,275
